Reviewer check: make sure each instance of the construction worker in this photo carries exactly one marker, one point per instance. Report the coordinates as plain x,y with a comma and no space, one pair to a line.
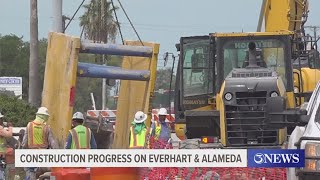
160,129
38,135
139,132
5,132
80,137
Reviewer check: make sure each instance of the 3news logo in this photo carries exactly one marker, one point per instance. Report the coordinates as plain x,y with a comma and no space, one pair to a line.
275,158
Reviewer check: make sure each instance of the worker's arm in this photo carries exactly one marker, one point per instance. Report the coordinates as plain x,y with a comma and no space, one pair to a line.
52,143
6,132
153,129
24,143
93,143
69,140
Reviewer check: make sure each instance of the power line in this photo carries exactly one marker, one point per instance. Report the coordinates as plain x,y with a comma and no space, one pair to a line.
115,14
74,14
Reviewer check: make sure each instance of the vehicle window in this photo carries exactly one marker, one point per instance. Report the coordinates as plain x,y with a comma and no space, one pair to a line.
317,117
313,100
272,53
197,71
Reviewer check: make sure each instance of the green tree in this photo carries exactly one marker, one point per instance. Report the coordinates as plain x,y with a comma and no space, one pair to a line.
163,82
17,111
14,59
163,79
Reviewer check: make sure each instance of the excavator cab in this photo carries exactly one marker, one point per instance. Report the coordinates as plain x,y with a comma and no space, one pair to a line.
235,87
248,97
195,88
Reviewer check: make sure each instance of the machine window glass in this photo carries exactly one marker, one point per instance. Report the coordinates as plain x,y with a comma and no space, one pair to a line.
272,53
197,70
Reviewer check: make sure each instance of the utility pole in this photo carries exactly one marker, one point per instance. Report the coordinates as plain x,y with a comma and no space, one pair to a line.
314,29
34,91
104,88
57,16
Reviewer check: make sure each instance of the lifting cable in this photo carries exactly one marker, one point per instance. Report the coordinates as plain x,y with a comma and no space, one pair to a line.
65,28
130,22
115,14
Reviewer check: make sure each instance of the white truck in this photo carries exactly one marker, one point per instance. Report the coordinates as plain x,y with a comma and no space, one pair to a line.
308,138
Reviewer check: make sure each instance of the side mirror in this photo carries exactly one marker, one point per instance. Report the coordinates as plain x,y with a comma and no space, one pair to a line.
304,119
178,47
197,62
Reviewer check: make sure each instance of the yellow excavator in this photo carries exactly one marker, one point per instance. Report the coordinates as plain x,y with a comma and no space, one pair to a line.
291,15
243,90
235,89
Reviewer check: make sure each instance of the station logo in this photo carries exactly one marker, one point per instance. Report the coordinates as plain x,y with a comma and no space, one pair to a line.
276,158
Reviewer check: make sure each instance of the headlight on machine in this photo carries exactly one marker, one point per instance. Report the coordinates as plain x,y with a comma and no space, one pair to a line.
312,150
296,89
274,94
228,96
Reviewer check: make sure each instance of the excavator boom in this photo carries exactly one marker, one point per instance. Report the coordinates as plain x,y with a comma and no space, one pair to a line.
279,18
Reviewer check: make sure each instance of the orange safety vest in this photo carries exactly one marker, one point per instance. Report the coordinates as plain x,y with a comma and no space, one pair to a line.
139,141
37,135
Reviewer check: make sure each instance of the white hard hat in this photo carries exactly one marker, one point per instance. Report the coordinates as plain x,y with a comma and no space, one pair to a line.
162,111
43,111
78,115
140,117
1,115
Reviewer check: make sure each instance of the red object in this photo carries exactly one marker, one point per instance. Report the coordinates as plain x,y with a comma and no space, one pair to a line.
228,173
72,174
72,96
114,173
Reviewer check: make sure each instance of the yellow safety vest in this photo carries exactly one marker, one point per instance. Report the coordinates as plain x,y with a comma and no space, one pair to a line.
81,137
158,127
3,145
37,135
138,141
157,130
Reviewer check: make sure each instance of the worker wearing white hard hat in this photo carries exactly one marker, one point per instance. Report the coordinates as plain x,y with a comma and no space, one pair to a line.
36,130
38,135
161,129
139,132
80,137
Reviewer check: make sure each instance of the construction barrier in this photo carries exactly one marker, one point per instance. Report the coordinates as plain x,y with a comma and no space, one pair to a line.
114,173
207,173
71,173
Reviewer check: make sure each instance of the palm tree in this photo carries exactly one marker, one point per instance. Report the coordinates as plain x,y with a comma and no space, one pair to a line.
98,21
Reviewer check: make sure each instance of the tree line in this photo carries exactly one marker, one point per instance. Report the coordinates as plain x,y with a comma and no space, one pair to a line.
98,25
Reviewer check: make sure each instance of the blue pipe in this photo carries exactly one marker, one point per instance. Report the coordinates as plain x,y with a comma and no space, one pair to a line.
115,49
111,72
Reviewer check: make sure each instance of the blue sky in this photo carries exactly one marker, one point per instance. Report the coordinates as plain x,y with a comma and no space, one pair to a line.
162,21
